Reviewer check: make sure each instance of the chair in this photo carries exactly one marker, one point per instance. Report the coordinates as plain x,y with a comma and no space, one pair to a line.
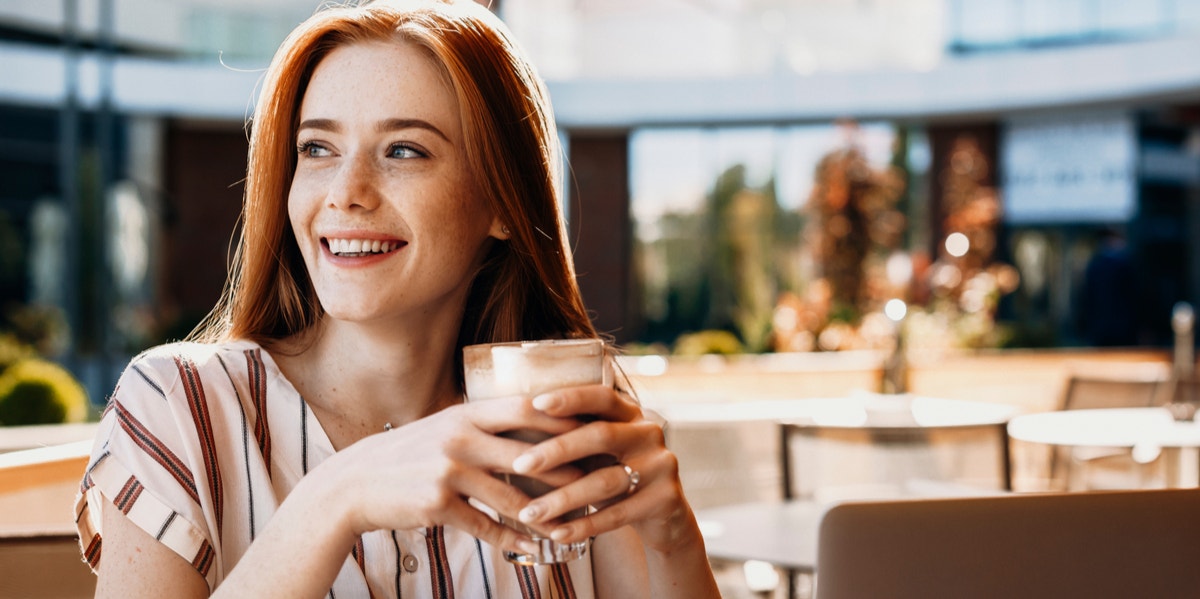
731,469
1038,545
727,462
1107,386
831,464
1138,387
723,464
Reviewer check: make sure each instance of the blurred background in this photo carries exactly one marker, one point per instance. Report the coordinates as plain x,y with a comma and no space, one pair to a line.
745,176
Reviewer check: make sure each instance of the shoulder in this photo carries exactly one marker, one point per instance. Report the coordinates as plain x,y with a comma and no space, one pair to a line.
164,367
191,351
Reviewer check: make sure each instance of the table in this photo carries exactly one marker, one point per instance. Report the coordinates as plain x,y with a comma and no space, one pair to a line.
854,411
1141,430
784,533
877,418
739,533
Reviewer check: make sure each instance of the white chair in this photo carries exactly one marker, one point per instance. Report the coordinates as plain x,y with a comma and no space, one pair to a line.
1090,469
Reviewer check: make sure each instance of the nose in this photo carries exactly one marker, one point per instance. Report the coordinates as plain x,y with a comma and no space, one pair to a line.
355,184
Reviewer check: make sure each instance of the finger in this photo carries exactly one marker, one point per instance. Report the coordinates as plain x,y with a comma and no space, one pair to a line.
483,527
504,498
513,413
594,438
634,508
507,494
592,489
498,494
552,478
555,477
488,451
496,454
597,401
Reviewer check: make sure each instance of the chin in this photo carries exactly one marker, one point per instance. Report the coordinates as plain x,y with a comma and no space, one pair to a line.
344,311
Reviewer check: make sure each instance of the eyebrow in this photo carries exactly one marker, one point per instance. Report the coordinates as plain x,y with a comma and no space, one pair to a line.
383,126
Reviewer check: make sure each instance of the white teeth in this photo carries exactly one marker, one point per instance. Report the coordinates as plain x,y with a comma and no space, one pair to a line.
360,247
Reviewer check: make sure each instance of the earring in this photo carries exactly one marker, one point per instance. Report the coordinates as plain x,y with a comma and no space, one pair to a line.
504,229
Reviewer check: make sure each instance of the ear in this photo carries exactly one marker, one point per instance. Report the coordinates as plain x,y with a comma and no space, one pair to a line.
499,230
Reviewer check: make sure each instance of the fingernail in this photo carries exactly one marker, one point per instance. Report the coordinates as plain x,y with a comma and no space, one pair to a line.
528,546
547,401
531,513
560,534
526,462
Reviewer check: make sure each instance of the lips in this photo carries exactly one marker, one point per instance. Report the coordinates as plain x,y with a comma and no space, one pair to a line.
353,248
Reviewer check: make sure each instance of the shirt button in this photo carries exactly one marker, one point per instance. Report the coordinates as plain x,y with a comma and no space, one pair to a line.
410,563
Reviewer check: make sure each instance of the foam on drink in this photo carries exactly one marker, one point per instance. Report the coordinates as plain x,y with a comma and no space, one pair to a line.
528,369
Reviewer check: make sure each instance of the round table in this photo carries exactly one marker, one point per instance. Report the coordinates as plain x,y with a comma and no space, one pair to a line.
855,411
1144,431
784,534
888,422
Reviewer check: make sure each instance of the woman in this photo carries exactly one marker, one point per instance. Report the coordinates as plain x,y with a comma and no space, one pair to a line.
400,204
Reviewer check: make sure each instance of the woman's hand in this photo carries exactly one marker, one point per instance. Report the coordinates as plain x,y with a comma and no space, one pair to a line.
615,426
423,473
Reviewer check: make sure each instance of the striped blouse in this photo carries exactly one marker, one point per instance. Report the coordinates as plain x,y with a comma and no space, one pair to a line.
199,445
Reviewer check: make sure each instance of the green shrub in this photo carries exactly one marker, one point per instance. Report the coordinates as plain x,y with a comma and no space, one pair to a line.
35,391
708,342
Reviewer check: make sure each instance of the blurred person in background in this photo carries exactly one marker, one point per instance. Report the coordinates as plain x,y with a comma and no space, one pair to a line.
1108,298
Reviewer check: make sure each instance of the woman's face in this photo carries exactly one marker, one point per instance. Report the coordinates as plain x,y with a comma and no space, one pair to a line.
382,204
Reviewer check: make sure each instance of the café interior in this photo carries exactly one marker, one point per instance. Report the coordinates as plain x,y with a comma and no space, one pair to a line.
918,319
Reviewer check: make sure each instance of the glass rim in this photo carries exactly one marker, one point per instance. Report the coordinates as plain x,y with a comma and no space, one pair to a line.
539,342
535,343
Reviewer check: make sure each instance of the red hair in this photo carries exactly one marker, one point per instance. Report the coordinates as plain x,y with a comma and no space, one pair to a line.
526,287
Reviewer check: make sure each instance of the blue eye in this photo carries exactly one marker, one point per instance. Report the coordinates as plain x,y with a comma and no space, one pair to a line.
404,151
312,150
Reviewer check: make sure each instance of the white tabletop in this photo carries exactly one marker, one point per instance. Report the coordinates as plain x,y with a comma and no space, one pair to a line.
781,534
1110,427
785,533
857,411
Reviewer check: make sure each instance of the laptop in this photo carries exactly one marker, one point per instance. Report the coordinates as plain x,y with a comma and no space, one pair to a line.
1122,544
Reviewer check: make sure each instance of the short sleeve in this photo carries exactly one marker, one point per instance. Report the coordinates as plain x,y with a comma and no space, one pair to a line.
144,463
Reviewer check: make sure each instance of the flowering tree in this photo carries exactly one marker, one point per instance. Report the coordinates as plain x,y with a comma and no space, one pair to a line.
853,226
962,288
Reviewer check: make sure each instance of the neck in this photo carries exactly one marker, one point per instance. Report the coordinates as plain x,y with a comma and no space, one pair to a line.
357,378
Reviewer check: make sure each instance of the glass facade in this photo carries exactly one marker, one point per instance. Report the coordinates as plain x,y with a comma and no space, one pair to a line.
976,25
679,39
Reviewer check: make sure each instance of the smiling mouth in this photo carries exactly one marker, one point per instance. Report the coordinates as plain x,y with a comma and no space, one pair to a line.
356,248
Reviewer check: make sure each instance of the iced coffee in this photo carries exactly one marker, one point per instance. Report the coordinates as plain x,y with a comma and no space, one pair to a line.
527,369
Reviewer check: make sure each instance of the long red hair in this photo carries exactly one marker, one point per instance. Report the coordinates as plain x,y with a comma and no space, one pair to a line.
526,286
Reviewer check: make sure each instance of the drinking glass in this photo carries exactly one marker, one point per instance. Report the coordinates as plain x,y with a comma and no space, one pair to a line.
529,368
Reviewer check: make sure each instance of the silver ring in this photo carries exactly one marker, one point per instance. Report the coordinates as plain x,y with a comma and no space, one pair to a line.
634,478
